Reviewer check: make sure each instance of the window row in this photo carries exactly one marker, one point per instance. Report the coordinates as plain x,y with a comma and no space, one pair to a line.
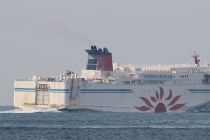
153,81
144,82
184,76
158,76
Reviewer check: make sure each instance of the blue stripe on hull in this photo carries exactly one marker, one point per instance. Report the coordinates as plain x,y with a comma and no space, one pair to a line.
106,91
199,90
34,90
81,91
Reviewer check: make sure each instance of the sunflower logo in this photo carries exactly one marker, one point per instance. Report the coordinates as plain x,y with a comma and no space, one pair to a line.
158,103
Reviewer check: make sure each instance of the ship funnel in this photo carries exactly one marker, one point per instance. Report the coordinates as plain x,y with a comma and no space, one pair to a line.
99,59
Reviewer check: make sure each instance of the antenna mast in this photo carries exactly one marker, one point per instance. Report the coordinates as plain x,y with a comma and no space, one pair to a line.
196,59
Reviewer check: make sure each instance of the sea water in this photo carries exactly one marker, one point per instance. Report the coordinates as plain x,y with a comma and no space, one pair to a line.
93,125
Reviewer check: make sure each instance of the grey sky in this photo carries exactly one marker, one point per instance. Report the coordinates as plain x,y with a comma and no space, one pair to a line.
46,36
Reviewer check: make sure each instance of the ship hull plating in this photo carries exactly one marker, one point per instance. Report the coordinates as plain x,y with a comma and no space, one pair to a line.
142,98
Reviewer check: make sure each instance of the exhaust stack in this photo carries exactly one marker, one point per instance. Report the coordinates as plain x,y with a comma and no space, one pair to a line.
99,59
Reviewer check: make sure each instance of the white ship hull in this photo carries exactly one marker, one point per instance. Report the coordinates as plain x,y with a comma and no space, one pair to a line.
138,98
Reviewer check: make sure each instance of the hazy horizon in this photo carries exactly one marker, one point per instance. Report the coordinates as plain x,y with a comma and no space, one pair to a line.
47,37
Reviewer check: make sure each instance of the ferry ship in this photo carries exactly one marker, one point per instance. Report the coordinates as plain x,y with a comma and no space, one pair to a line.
108,86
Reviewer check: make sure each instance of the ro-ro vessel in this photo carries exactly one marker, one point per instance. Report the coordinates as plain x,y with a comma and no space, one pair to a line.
108,86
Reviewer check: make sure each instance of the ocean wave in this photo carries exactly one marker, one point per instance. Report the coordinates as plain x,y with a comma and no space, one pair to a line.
146,126
29,111
104,127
